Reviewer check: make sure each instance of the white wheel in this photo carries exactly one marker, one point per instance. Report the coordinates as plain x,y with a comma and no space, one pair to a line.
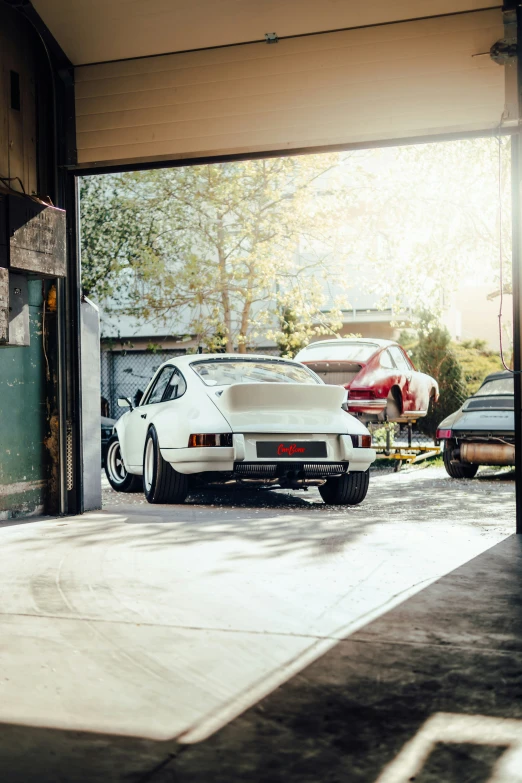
148,465
115,469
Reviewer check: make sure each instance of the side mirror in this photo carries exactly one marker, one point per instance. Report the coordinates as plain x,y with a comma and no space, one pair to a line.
124,402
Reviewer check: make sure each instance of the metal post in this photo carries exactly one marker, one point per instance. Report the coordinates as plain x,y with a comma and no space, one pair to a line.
516,177
74,406
62,396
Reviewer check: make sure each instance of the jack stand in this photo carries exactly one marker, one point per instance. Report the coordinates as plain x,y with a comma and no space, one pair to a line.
410,432
387,451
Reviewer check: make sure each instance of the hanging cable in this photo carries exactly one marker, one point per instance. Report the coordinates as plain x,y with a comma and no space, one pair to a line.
6,180
501,265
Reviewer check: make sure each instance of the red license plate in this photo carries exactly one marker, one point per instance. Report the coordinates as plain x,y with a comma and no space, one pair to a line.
290,449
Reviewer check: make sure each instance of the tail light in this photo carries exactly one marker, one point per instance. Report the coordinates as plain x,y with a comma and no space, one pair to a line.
443,434
198,441
361,394
361,441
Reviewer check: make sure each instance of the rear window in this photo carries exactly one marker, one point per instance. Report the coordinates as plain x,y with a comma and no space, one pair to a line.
497,386
226,372
348,352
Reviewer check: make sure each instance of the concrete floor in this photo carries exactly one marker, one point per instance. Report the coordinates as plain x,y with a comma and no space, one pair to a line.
265,637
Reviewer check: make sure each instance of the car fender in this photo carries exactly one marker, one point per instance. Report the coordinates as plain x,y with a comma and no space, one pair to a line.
428,383
449,421
379,380
120,428
192,413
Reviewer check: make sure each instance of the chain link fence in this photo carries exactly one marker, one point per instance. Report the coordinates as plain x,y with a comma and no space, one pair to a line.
392,435
123,373
402,443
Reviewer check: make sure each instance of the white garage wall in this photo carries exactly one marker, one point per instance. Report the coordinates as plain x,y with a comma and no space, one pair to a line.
357,86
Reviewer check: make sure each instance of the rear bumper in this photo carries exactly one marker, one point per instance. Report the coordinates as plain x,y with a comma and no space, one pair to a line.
372,406
284,472
225,459
200,460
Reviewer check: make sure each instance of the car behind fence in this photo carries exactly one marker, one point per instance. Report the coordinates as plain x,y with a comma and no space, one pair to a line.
123,373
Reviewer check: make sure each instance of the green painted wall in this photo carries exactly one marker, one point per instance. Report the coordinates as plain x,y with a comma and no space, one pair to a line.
23,469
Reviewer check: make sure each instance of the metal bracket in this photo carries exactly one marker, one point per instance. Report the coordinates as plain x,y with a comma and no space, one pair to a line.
504,51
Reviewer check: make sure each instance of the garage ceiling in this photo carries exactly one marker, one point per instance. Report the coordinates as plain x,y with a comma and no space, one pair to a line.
360,86
105,30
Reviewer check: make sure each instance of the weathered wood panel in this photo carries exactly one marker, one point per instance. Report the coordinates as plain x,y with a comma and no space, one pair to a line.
357,86
17,119
37,238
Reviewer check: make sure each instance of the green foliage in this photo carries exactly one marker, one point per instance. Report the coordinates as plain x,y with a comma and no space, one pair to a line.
217,250
117,238
475,358
476,361
291,336
220,251
436,357
384,434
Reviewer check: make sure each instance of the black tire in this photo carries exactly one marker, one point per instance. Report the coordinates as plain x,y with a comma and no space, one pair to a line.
161,483
458,470
115,470
350,489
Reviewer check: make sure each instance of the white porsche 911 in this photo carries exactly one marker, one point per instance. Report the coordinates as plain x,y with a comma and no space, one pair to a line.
216,418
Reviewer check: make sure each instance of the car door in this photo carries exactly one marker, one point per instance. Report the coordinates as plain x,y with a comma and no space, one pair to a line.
404,367
140,417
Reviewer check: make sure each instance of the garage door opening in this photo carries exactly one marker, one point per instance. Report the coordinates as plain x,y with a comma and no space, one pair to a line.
318,616
385,271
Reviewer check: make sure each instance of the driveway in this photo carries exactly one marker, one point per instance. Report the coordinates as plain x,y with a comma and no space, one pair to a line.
129,633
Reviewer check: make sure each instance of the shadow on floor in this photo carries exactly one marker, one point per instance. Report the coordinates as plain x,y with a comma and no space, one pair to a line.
455,647
284,522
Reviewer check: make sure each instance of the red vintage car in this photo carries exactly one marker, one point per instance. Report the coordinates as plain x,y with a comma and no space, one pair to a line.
381,381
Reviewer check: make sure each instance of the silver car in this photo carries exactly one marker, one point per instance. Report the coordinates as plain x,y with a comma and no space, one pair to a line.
482,431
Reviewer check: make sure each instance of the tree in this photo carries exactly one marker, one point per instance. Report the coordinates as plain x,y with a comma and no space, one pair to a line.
291,336
117,237
227,248
477,361
225,252
433,213
435,357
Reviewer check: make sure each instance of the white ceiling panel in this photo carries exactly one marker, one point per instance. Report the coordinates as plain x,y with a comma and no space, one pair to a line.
359,86
104,30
